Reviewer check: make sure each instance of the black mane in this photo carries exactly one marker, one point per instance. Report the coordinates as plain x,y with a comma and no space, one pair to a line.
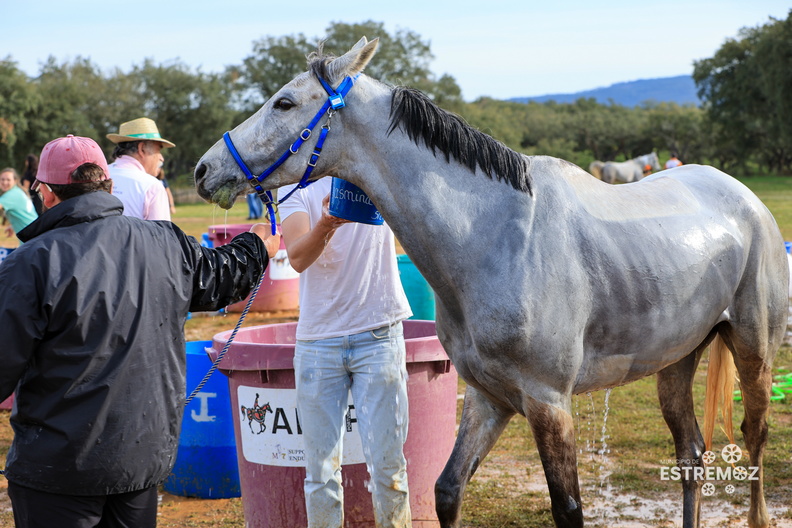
442,131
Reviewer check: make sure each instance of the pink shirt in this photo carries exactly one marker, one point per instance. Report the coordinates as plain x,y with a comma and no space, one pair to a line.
142,194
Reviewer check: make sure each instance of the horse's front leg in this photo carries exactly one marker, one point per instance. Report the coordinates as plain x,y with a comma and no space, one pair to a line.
481,424
554,433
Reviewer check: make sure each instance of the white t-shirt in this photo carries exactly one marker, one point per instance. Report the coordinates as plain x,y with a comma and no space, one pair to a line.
143,195
354,285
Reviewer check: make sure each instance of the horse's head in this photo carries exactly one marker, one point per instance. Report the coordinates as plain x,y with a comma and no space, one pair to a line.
271,133
654,161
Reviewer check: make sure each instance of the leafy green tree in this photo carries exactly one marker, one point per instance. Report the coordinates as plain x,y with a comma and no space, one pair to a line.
275,62
18,101
402,59
679,129
745,88
191,109
68,93
773,56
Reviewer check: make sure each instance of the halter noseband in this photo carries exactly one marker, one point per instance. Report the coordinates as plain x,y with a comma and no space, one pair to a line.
334,102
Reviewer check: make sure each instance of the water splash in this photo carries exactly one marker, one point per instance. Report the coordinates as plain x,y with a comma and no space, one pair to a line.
604,450
592,437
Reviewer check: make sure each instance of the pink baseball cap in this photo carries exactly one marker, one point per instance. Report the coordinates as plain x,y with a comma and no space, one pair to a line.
61,156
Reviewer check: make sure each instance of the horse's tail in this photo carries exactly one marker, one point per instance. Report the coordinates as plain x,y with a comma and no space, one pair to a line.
720,389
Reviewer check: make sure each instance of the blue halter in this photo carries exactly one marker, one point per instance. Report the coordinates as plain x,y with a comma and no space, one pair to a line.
334,102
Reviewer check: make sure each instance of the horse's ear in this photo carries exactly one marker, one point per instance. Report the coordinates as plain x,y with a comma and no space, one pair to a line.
360,43
353,61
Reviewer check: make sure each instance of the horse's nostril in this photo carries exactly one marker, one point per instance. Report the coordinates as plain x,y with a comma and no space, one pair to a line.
200,172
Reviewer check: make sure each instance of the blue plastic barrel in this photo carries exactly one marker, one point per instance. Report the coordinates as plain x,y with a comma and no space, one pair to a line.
4,252
419,294
206,465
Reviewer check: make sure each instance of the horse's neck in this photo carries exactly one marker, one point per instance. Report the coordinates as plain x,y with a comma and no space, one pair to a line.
433,207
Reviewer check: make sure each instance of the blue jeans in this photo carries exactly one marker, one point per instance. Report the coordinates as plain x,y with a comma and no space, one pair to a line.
255,207
373,366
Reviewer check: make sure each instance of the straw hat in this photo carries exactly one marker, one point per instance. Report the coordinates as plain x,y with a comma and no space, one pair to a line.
141,129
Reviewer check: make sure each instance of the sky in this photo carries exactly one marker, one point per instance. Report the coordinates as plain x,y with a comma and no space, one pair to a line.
494,48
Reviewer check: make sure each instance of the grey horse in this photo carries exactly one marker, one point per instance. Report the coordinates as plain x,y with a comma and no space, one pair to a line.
595,168
630,170
548,282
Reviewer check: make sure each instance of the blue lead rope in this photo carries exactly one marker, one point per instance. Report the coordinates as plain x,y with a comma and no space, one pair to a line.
222,353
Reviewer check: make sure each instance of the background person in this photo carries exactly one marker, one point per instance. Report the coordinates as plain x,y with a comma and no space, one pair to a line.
255,207
349,338
171,203
138,158
28,177
673,161
92,312
15,205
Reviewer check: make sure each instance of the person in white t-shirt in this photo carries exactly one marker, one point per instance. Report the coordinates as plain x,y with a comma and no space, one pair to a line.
138,159
673,161
349,338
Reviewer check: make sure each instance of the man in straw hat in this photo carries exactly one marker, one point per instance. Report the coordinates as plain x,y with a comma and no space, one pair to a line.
138,158
92,311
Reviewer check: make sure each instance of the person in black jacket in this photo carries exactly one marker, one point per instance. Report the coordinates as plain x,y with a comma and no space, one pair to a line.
92,312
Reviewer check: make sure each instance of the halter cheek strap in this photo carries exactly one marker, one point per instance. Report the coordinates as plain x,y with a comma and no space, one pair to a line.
334,102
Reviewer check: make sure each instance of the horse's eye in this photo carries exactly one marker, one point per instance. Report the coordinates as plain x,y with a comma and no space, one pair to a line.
283,104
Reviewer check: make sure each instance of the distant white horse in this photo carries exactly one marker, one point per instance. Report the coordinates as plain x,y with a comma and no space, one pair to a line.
630,170
548,282
595,168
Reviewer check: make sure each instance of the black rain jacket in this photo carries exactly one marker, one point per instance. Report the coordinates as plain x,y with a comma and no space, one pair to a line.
92,313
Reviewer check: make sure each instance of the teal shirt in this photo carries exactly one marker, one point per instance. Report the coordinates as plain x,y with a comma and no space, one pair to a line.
18,208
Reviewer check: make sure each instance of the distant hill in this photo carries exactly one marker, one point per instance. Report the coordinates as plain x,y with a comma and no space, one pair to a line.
680,89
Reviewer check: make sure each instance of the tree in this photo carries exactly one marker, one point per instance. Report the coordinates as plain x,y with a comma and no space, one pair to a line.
68,93
679,129
191,109
402,59
745,88
773,56
275,62
17,102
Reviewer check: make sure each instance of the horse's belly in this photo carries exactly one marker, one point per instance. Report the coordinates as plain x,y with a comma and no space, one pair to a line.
623,360
619,369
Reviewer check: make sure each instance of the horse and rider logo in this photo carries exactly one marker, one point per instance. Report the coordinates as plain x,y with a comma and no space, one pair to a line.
256,414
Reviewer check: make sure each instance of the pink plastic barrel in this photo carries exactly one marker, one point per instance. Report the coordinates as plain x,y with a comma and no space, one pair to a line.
260,370
280,289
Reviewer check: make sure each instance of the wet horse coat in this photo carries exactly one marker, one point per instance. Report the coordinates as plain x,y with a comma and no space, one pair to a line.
548,282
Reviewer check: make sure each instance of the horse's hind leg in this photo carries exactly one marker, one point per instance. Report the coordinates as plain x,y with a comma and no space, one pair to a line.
675,391
756,379
481,424
554,434
756,384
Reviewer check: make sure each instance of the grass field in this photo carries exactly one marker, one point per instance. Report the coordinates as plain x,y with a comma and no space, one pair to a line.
623,443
